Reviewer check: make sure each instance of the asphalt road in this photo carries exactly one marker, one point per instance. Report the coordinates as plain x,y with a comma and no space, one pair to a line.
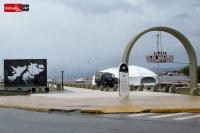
15,120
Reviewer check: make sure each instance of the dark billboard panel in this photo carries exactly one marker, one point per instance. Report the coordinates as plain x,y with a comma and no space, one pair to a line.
25,72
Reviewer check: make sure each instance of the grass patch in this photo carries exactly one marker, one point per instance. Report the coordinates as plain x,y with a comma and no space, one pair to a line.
184,91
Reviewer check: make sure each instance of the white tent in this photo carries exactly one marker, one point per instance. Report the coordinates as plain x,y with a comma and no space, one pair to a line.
137,75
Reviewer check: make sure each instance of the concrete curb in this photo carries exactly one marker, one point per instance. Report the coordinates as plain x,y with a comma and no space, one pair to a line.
113,110
175,110
92,111
25,108
116,110
109,110
37,109
64,110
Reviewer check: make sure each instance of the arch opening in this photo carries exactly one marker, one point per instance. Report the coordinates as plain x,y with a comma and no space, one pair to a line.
184,41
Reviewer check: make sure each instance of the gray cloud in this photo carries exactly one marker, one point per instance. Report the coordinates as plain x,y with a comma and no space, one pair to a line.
182,15
101,6
196,5
161,2
68,39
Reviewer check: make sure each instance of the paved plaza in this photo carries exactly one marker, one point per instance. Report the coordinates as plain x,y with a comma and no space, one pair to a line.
86,99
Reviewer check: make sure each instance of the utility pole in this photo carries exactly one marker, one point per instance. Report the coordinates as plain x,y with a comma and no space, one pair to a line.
62,80
158,51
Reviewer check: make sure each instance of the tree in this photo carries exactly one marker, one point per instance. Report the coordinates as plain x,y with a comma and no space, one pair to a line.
186,72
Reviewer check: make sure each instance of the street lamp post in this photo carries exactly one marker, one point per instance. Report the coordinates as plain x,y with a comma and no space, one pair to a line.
62,79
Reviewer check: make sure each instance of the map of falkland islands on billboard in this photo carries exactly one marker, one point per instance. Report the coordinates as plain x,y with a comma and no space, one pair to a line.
25,72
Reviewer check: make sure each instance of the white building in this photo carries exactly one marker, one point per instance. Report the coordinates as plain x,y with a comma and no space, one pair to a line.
137,75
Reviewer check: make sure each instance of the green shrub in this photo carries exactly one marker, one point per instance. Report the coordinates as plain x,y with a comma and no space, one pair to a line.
186,72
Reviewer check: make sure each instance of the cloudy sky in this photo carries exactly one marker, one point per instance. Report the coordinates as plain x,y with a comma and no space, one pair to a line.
69,33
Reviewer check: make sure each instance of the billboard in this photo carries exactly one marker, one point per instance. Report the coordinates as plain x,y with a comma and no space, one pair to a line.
25,72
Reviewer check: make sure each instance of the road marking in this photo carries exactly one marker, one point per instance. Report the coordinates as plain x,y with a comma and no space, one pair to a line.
187,117
174,114
140,114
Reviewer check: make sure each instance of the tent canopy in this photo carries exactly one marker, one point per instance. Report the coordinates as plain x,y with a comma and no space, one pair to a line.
137,75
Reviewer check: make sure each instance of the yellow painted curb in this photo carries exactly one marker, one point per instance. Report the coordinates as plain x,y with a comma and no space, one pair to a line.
91,111
8,106
111,110
175,110
116,110
25,108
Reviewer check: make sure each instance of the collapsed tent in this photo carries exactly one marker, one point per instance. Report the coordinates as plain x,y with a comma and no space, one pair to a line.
137,76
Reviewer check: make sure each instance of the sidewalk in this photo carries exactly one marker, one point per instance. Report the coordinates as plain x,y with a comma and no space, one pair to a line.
86,99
